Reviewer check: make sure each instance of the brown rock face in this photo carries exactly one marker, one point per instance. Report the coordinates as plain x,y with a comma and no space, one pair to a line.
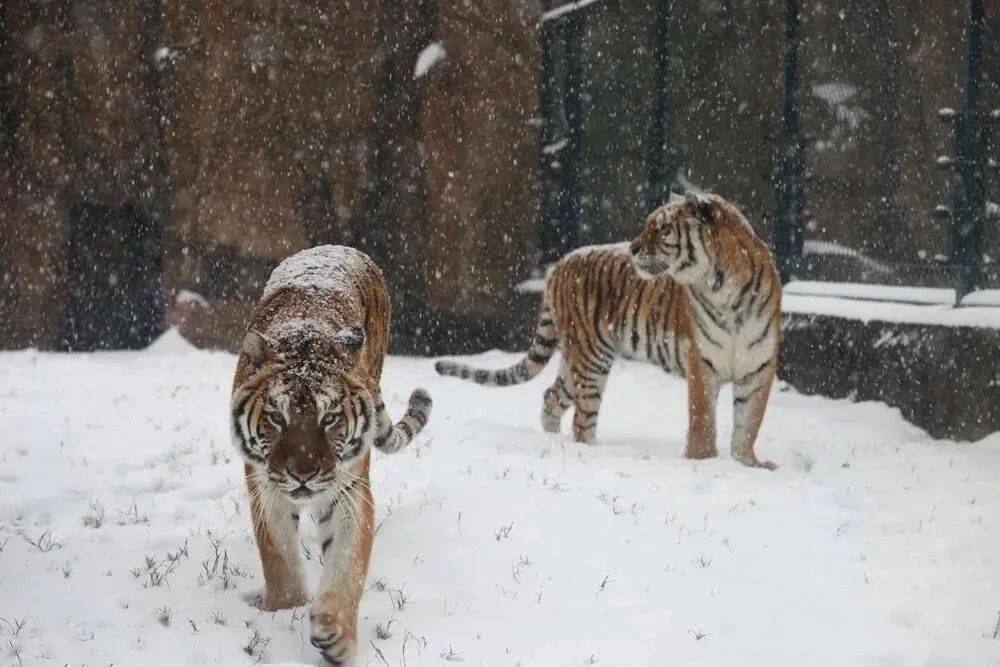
481,154
270,106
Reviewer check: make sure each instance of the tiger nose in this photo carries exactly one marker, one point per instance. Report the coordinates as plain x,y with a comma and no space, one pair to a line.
300,476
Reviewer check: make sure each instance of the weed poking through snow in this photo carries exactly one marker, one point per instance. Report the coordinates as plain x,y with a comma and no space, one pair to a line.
155,572
503,532
45,542
451,655
163,615
256,645
94,517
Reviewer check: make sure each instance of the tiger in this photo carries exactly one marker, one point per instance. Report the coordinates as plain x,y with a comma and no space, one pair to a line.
696,293
306,411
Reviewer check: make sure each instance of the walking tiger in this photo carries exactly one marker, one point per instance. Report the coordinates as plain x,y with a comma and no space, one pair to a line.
306,410
696,292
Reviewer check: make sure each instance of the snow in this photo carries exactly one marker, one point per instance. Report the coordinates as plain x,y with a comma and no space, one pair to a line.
872,543
565,9
190,298
332,268
837,94
430,56
871,292
887,303
531,286
816,247
886,311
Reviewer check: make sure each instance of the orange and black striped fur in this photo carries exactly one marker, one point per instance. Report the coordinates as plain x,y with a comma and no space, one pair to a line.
696,293
306,411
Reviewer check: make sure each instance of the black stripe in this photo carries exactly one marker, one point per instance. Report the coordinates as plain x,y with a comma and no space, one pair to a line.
709,310
697,320
326,544
760,310
755,372
689,247
763,334
548,343
743,293
416,416
420,400
745,398
537,358
709,364
595,367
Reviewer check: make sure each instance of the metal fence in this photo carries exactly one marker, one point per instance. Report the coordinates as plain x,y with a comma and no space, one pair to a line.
564,91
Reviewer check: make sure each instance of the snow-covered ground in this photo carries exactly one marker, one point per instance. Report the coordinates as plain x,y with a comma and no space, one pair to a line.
497,544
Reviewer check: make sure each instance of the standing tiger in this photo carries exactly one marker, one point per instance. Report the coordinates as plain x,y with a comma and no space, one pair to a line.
306,411
696,293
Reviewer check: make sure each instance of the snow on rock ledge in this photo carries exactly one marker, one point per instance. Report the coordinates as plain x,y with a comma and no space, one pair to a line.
884,303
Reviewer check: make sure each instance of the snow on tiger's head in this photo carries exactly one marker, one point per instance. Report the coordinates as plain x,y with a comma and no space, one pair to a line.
300,414
682,238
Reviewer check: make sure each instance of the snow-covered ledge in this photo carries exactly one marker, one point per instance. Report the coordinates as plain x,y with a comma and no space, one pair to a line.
905,346
885,303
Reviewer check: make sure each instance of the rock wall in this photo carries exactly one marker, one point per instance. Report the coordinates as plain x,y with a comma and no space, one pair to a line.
943,379
238,133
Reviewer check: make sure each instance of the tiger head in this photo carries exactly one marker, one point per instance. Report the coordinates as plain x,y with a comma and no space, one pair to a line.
676,240
301,415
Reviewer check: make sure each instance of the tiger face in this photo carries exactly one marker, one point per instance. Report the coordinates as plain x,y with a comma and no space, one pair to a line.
675,240
300,421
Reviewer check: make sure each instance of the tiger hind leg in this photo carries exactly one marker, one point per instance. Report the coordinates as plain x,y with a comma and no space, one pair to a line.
556,402
589,379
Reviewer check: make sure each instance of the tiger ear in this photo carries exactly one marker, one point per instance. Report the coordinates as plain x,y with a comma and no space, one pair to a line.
703,206
258,347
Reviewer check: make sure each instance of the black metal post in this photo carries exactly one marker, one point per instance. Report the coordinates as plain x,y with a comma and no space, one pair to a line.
658,159
970,161
550,182
569,201
789,195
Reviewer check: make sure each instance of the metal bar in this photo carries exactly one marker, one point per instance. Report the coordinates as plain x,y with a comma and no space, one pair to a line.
658,160
549,181
789,194
569,201
970,160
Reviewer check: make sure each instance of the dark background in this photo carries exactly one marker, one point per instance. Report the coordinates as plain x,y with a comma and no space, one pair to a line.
158,159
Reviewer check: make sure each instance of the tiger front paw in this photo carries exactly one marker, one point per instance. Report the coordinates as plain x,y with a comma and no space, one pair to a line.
267,602
333,633
750,460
